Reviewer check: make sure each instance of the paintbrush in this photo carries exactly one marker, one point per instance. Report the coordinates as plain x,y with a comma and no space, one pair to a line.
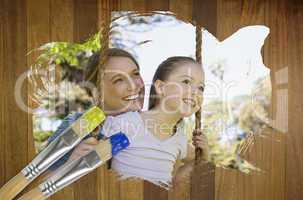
74,170
69,138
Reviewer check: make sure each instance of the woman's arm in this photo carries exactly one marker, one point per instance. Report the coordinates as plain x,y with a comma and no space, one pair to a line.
81,149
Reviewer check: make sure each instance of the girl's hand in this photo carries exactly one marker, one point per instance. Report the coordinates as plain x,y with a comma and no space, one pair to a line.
183,174
84,148
200,141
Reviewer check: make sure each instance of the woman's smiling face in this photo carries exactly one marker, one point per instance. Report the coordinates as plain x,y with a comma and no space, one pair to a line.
123,86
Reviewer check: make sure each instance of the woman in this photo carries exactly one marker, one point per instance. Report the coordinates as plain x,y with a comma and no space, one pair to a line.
123,87
123,91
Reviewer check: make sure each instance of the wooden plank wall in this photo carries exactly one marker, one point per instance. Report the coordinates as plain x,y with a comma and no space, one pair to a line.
14,122
294,161
25,25
269,152
202,185
231,185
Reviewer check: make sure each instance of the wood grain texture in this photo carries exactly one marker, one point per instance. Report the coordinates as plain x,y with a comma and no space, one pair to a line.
13,63
157,5
38,33
62,20
275,57
132,5
205,14
152,191
62,29
228,14
25,25
131,189
85,24
33,194
232,185
268,152
106,181
85,19
2,96
203,177
182,8
203,182
13,187
294,45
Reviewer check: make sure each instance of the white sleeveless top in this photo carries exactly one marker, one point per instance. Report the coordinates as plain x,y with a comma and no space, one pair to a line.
147,157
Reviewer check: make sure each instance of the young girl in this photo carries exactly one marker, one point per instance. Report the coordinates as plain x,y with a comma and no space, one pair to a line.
156,141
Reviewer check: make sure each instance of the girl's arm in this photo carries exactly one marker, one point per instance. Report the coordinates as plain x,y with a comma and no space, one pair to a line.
190,156
199,141
183,172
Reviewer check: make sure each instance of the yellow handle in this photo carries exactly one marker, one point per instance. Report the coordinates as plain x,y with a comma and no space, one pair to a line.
34,194
13,187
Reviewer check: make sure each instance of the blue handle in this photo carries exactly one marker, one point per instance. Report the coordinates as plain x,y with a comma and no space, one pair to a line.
119,142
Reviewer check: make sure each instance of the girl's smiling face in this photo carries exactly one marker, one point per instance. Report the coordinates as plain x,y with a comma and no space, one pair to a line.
182,91
123,86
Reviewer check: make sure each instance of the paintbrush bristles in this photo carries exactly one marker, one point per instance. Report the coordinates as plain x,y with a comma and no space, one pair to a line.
104,149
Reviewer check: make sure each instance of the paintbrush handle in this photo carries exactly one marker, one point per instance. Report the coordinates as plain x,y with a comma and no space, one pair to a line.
69,173
34,194
53,152
13,187
72,171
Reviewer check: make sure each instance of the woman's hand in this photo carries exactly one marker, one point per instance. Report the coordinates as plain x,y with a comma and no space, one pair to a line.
80,150
84,148
200,141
